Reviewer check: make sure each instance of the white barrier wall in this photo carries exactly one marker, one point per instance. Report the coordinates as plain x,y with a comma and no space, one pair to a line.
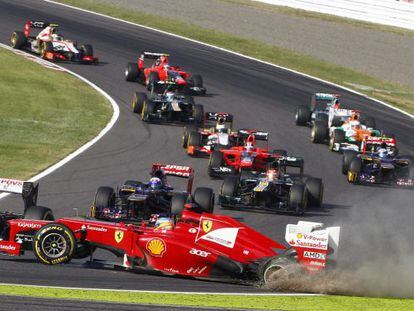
387,12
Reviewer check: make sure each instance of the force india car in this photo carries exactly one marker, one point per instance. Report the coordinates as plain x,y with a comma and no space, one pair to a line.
318,110
274,190
162,71
245,155
200,245
168,107
378,163
50,45
216,133
137,200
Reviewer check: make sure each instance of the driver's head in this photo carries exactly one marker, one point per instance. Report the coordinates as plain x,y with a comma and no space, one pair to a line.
163,59
220,128
164,223
249,146
354,117
155,183
336,103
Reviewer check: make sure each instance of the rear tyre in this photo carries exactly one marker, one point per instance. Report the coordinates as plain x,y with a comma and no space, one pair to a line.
38,213
338,137
187,130
138,102
355,168
302,116
104,199
275,271
198,114
18,40
314,187
131,72
322,117
196,81
204,197
229,186
348,155
45,48
87,49
54,244
194,139
319,132
147,110
298,200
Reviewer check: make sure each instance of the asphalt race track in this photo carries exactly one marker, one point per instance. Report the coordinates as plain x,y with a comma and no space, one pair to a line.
260,96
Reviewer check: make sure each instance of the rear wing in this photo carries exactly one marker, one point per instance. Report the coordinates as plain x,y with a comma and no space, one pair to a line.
28,190
314,244
288,161
151,55
374,141
258,135
176,170
37,25
325,96
322,98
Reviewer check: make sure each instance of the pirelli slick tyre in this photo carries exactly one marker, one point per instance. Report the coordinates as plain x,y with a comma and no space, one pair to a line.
204,197
44,48
138,102
194,139
298,199
347,157
354,169
198,114
302,116
229,186
38,213
314,187
187,130
131,72
338,137
87,49
104,198
147,110
18,40
54,244
275,271
215,160
319,132
196,81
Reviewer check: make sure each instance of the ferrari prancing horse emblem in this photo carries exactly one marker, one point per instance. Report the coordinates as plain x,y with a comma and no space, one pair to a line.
207,225
119,236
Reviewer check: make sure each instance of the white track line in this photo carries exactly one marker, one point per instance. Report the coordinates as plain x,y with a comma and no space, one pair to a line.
238,54
86,146
160,292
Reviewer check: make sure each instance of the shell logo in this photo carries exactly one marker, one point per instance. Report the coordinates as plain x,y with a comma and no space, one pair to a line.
299,235
156,247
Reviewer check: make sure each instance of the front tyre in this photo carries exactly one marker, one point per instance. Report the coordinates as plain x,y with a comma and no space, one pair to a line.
131,72
18,40
54,244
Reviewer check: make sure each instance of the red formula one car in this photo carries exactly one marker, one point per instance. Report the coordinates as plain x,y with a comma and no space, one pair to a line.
50,45
245,155
200,245
216,133
161,73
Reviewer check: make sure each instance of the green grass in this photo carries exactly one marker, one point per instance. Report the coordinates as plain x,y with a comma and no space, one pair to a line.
395,94
308,303
45,115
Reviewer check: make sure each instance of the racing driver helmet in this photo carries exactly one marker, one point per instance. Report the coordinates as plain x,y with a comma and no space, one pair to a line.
164,223
155,183
272,174
221,126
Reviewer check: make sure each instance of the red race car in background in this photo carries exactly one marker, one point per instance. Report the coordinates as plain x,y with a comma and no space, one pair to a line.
245,155
50,45
195,244
161,73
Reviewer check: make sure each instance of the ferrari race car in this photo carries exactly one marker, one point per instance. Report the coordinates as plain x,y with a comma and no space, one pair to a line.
168,107
137,200
161,71
50,45
378,163
194,244
245,155
273,190
216,133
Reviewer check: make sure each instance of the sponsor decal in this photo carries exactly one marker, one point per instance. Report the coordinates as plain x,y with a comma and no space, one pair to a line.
196,270
224,236
119,236
29,225
8,247
156,247
207,225
198,252
317,263
93,228
246,252
314,255
172,270
11,185
192,230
